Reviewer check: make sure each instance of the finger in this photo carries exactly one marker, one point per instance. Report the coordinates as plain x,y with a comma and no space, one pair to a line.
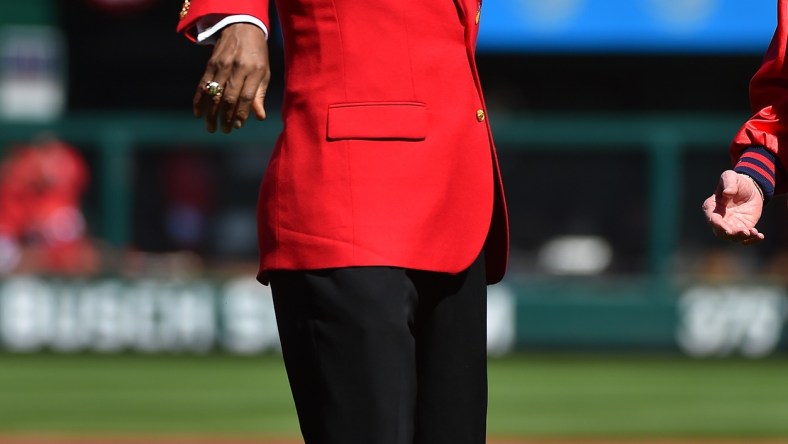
754,233
200,97
206,106
239,93
729,183
258,102
715,212
252,96
258,105
222,65
235,116
213,104
729,192
230,100
733,231
709,205
754,240
746,235
237,107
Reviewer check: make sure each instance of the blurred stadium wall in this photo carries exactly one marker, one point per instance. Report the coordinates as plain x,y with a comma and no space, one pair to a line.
612,118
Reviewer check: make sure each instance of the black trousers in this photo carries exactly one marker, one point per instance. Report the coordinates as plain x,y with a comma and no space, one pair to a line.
379,355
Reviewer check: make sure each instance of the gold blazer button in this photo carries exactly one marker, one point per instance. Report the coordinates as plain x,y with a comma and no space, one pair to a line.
185,8
480,115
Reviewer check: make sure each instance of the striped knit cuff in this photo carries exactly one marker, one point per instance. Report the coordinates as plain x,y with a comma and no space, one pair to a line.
762,165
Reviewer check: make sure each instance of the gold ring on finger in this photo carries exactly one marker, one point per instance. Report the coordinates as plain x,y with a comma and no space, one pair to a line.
213,89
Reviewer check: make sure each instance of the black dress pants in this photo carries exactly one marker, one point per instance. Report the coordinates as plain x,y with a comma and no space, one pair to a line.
380,355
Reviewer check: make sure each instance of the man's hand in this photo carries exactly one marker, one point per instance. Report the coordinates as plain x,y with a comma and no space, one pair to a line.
735,208
239,64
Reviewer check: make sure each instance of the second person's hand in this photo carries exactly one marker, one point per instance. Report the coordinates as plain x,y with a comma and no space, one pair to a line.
734,209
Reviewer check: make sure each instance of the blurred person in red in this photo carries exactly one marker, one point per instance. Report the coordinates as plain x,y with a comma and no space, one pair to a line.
190,189
42,228
758,150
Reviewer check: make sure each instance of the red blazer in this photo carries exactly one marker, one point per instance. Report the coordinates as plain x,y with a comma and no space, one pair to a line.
386,156
768,127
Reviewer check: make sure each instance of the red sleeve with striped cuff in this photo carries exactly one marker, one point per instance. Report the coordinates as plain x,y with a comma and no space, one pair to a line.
763,166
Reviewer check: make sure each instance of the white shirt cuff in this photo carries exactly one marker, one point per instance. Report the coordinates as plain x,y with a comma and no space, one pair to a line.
208,26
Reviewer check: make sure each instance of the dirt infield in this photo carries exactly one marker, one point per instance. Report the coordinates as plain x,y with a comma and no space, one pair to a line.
235,440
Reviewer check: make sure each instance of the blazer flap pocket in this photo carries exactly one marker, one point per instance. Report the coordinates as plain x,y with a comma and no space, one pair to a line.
377,121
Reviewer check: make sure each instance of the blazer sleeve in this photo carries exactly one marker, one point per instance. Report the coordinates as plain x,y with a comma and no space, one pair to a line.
194,10
768,127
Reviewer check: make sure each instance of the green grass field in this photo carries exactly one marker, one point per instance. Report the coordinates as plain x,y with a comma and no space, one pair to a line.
560,396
